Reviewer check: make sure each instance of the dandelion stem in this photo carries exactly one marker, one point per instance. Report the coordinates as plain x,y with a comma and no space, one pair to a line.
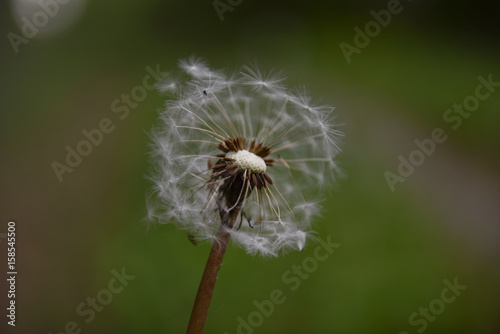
207,284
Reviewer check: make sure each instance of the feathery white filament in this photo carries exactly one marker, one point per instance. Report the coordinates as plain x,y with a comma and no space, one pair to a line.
247,160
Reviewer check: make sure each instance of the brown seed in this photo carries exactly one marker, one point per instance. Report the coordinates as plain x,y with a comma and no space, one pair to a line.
268,178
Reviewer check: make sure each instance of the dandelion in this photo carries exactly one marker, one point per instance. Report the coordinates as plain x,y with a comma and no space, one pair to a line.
239,157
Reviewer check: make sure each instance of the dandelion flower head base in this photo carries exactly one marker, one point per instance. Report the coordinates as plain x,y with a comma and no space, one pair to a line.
241,145
247,160
237,173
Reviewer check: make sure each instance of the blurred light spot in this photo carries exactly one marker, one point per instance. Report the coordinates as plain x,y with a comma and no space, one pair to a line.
45,18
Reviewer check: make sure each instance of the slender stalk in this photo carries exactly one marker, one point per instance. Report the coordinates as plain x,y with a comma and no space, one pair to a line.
207,284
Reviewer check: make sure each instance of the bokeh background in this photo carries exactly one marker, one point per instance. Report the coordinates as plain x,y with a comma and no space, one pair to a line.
397,248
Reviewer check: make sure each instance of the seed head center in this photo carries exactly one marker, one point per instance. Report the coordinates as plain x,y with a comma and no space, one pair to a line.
247,160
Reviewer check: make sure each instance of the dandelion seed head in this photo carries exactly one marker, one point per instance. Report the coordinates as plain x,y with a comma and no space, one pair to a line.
243,142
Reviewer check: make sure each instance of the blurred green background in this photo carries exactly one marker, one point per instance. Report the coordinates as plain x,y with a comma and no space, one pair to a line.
397,248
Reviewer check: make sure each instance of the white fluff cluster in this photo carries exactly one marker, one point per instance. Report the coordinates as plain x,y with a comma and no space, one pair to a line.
209,106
